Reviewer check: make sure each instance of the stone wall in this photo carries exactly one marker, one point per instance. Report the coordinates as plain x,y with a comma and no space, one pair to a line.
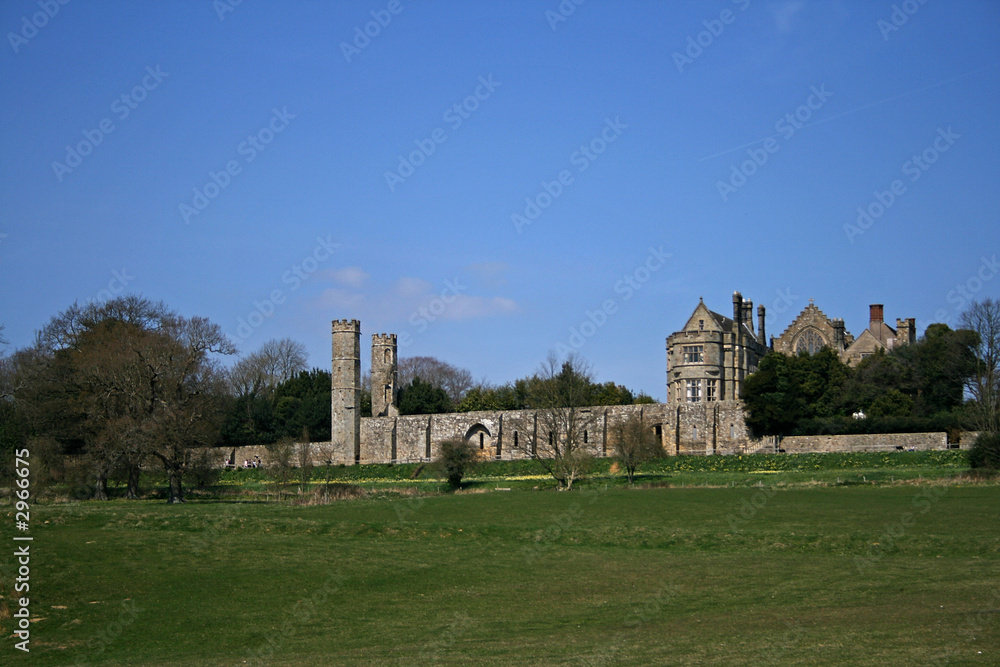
867,442
411,434
319,454
687,428
502,434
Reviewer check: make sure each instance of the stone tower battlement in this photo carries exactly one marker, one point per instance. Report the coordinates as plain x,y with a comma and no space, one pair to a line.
346,325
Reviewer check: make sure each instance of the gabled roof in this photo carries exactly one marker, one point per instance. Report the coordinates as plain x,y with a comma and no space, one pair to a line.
810,312
866,339
713,320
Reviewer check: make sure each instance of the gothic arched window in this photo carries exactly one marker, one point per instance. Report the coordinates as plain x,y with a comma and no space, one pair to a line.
809,341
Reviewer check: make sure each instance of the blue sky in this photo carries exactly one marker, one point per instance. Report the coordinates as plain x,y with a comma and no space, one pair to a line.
486,178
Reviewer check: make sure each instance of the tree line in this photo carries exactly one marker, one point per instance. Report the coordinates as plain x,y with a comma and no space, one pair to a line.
947,380
117,385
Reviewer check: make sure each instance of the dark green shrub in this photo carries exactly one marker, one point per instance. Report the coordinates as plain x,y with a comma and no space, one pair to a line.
455,459
985,452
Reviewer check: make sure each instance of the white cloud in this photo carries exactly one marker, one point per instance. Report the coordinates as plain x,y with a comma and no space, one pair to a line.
472,307
352,276
490,274
411,287
409,297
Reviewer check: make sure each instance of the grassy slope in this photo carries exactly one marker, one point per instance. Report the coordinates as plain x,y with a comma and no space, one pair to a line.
603,577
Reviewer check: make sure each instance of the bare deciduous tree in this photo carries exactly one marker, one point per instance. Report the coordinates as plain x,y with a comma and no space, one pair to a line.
561,392
983,317
454,381
635,444
260,372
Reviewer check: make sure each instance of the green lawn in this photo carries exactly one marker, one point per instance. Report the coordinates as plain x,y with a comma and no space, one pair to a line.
903,574
677,471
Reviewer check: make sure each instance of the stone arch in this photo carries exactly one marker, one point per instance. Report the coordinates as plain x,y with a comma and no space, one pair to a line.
480,438
810,340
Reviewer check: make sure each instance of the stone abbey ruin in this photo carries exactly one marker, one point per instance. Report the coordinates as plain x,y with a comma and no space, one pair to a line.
707,362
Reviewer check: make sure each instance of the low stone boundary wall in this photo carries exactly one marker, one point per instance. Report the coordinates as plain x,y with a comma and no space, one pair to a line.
319,454
866,442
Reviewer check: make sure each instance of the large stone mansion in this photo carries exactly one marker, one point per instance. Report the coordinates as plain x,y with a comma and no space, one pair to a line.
707,363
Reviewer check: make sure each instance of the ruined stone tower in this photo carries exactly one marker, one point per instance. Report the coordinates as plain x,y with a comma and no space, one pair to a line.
384,376
345,390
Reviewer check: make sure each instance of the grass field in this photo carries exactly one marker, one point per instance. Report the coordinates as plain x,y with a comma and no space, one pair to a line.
905,573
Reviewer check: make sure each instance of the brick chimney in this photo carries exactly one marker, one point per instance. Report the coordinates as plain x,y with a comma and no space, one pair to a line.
874,316
875,320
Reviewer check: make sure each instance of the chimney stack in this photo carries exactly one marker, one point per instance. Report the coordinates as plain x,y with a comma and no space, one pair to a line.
737,317
906,331
839,340
874,315
760,325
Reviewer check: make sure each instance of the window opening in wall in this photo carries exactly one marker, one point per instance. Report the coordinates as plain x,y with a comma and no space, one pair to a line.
809,341
480,440
515,439
710,386
693,391
695,431
694,354
585,437
387,356
701,325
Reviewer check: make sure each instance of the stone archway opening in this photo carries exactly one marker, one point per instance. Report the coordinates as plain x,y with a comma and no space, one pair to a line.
481,439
